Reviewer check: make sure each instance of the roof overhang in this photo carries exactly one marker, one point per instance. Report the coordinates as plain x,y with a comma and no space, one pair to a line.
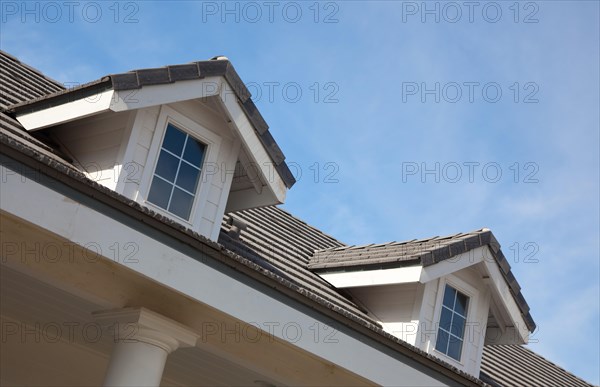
252,295
509,312
167,85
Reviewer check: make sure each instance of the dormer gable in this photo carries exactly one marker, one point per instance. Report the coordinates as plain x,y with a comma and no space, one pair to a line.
186,141
448,296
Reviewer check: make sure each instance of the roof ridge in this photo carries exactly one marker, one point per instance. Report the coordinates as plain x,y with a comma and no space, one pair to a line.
398,243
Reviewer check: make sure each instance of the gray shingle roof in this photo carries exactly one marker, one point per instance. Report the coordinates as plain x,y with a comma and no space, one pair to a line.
424,252
20,83
275,244
136,79
516,366
283,244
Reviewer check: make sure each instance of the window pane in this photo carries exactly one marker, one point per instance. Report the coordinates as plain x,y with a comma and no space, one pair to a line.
160,192
181,204
193,152
461,304
174,140
454,349
449,295
442,341
166,166
188,177
458,326
446,319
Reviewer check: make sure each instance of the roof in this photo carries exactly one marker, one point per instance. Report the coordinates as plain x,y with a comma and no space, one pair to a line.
20,82
425,252
516,365
297,283
284,244
275,247
55,94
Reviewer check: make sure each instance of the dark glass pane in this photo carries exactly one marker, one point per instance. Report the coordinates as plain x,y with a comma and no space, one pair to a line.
441,343
188,177
446,319
449,295
160,192
461,304
167,166
454,349
194,151
174,140
181,204
458,326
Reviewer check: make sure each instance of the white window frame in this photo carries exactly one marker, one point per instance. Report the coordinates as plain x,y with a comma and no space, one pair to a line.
198,132
473,294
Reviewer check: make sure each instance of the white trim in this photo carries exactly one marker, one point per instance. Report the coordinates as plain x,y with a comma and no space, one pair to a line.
212,141
66,112
154,95
472,307
456,263
144,318
256,150
355,279
199,281
501,292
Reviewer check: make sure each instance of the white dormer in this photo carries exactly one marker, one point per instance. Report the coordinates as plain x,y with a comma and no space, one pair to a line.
185,141
447,296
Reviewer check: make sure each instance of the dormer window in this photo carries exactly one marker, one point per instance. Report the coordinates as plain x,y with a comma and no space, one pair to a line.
177,173
179,178
453,318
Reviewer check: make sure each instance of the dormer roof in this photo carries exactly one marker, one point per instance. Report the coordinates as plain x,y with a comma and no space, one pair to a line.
419,252
137,88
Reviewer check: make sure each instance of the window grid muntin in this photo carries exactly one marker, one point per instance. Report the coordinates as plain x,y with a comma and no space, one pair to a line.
180,160
450,335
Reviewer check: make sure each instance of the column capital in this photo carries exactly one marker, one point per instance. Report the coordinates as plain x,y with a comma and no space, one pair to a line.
141,324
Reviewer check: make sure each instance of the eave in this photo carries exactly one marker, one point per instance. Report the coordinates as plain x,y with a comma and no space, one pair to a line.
47,168
150,87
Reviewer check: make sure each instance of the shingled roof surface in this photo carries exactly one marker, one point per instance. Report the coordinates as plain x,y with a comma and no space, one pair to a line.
425,252
274,240
517,366
19,83
284,244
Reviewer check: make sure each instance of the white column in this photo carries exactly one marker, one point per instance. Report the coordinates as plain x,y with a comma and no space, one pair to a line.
144,340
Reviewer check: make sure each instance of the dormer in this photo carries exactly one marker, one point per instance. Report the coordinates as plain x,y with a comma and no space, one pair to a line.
447,296
186,141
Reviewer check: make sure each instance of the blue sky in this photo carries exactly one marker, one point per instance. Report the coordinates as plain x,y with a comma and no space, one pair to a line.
402,119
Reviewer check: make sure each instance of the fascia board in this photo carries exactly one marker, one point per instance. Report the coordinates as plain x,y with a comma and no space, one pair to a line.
193,277
504,299
454,264
356,279
256,151
154,95
66,112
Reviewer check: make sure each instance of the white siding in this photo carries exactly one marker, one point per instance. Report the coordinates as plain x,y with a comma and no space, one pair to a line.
138,162
393,306
95,144
476,321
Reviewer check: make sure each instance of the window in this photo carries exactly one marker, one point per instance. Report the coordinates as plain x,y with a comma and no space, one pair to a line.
175,180
453,318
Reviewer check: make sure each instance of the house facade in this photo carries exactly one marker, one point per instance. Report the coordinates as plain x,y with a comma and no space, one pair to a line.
142,246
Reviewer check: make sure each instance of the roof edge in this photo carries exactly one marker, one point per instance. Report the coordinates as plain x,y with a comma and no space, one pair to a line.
428,257
76,180
137,79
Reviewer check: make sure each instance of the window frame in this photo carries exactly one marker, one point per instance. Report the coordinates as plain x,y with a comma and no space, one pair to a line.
211,140
473,297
